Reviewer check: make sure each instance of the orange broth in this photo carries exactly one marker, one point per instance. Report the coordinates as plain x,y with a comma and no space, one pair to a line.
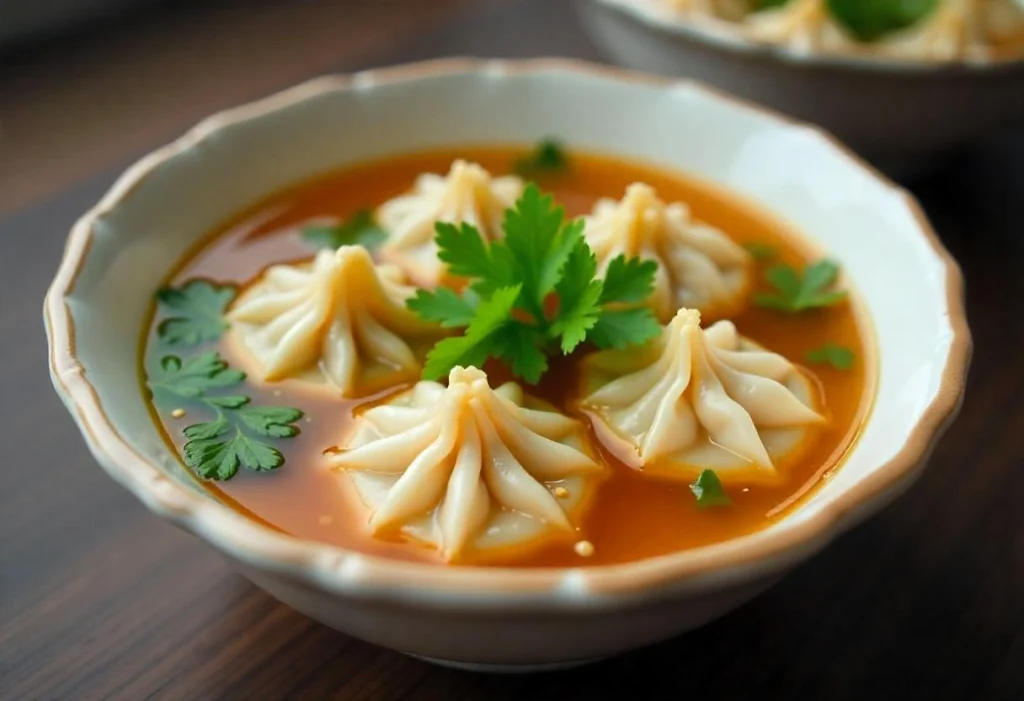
631,516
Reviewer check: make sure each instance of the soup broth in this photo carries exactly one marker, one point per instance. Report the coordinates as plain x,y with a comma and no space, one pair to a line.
631,515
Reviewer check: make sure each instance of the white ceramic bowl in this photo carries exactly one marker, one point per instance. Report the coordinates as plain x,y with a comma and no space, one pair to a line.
900,115
490,617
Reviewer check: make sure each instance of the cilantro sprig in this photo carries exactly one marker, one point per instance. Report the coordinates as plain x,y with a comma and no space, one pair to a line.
548,156
839,357
239,434
532,293
195,312
797,292
709,491
359,230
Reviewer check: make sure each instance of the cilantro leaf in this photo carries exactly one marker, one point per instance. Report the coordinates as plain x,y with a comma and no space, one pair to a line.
208,430
539,244
475,346
212,459
235,436
195,312
548,156
579,295
359,230
628,280
196,375
618,328
761,252
870,20
839,357
521,347
796,293
444,306
270,421
463,248
215,459
709,491
229,401
531,291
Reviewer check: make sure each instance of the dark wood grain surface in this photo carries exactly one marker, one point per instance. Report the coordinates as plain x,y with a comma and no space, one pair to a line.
101,600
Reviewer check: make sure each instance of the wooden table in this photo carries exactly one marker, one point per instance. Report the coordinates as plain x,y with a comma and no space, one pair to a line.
101,600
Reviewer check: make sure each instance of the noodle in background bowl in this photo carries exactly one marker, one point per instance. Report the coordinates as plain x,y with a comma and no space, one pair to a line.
501,618
902,115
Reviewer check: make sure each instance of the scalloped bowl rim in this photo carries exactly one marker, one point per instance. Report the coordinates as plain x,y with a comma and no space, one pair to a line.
719,34
358,575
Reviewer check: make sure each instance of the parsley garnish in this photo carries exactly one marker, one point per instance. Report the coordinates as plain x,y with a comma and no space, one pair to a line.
359,230
548,156
839,357
761,252
796,292
506,308
870,20
236,435
708,490
195,312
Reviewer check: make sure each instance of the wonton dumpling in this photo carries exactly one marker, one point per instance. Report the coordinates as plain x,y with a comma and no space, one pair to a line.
698,265
340,320
467,194
695,399
467,467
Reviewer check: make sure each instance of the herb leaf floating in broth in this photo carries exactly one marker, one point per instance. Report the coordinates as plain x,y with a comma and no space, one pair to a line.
195,376
195,312
870,20
506,309
234,437
798,292
359,230
548,156
709,491
762,252
839,357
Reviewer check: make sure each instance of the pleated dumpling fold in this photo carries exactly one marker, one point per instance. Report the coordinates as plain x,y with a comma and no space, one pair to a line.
698,266
467,468
697,399
339,320
468,194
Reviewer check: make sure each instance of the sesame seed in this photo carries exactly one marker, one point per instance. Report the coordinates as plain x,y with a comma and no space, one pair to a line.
561,492
584,548
278,393
309,419
325,520
178,413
